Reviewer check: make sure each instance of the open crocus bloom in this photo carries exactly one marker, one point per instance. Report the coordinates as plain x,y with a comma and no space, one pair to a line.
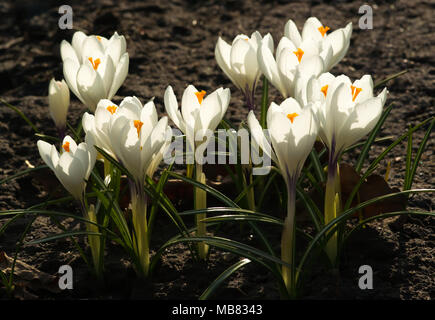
305,59
58,102
347,111
292,131
73,166
316,34
239,61
94,67
137,137
199,112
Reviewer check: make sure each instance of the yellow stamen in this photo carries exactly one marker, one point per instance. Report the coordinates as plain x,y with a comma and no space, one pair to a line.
138,125
99,38
111,109
66,146
355,92
324,90
200,95
323,30
292,116
299,53
95,63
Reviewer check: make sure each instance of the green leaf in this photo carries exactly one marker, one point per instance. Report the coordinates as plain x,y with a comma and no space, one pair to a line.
418,155
334,224
264,103
21,114
22,173
222,277
64,235
374,164
384,81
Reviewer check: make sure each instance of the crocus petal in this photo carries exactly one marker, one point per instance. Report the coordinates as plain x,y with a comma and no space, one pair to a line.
171,106
120,75
90,86
68,52
70,70
291,32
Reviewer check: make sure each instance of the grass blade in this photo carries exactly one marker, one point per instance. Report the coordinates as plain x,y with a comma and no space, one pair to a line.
222,277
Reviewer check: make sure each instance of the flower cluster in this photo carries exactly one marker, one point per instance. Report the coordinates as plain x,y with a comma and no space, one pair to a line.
316,105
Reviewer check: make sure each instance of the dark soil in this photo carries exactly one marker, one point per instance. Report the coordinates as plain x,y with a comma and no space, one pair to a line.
172,42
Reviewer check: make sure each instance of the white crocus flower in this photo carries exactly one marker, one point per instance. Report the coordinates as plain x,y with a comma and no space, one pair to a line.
347,112
198,119
58,103
292,130
94,67
239,62
316,33
198,113
290,59
136,135
73,166
137,139
98,125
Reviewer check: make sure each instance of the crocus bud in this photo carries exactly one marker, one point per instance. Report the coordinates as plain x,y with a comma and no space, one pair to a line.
58,102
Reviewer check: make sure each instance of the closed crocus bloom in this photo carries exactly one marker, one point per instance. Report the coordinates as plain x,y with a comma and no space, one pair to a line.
73,166
239,62
290,59
98,125
94,67
199,112
58,102
317,34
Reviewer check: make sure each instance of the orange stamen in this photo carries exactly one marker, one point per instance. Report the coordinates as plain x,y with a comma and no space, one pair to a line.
99,38
299,53
355,92
138,125
95,63
200,95
292,116
66,146
324,90
323,30
111,109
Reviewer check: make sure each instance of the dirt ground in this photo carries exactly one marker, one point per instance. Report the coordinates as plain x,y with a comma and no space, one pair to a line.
172,42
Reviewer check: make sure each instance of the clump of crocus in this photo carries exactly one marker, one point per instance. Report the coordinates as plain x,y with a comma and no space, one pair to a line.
292,130
199,116
94,67
239,62
58,103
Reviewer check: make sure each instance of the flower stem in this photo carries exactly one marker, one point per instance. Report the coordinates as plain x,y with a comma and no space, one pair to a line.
200,203
288,240
139,201
332,205
94,241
